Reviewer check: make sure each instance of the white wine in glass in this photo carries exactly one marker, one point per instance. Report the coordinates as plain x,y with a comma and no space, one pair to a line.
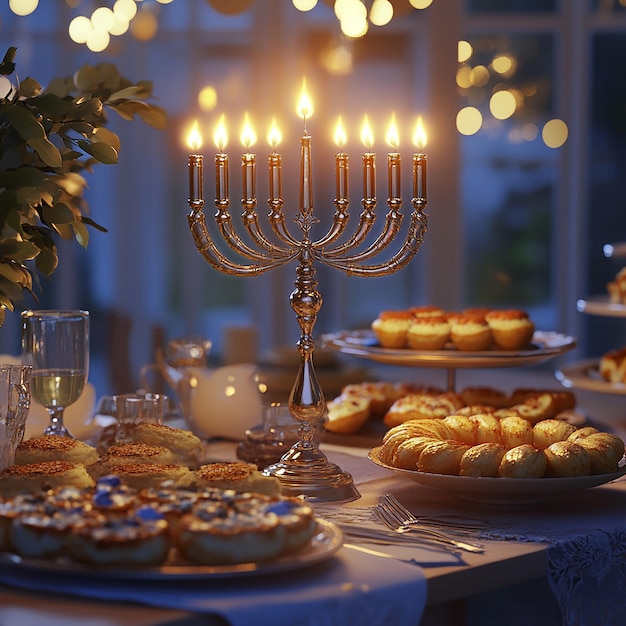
56,344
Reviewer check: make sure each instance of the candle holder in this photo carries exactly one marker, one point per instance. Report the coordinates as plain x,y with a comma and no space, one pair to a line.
304,470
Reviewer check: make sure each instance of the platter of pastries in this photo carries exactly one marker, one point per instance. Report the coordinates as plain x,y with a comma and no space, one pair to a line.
544,345
602,305
500,491
605,375
150,508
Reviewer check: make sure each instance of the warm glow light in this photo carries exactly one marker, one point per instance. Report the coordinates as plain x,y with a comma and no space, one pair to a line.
97,40
305,105
125,9
464,77
220,135
469,120
120,26
464,51
354,26
23,7
502,64
79,29
420,137
103,19
339,136
304,5
274,136
479,76
207,98
248,136
145,24
367,136
381,12
420,4
502,104
194,138
554,133
392,136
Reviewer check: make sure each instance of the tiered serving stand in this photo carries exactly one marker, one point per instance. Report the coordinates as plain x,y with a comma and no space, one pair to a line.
363,344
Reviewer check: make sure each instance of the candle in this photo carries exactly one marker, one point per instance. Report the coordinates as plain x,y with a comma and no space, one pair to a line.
195,163
393,160
220,138
275,164
341,164
419,161
305,110
369,163
248,162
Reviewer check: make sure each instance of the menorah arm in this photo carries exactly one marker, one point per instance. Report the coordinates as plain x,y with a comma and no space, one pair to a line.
366,221
250,220
340,221
220,262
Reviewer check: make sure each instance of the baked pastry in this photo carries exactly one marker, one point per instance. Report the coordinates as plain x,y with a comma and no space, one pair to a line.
35,477
428,333
525,461
427,310
407,454
142,475
140,538
484,396
422,406
547,432
487,428
186,447
515,431
239,476
462,428
442,457
567,458
617,288
605,451
138,453
391,327
511,329
482,460
612,366
433,428
54,448
470,333
347,413
13,507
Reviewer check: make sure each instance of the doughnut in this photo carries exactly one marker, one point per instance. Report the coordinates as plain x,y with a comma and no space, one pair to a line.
482,460
567,458
547,432
525,461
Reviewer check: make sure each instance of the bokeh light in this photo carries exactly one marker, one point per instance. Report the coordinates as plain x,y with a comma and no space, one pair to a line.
554,133
469,121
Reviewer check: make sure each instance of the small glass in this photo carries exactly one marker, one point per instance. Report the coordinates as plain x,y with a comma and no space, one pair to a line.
14,408
133,408
267,442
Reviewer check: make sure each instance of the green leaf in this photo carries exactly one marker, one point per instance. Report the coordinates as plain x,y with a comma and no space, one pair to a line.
59,213
101,151
47,151
106,136
47,260
87,220
24,122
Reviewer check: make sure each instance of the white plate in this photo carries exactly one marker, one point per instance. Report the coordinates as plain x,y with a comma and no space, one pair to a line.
324,544
501,491
601,305
363,343
585,375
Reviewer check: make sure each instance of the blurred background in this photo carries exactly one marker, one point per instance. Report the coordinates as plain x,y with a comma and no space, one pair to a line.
524,105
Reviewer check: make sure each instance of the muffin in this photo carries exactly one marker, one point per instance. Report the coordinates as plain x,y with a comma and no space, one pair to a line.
426,311
470,332
511,329
391,328
428,333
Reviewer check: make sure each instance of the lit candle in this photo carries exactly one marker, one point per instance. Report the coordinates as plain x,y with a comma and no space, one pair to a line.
248,162
220,138
275,164
419,161
341,164
194,141
305,110
393,159
369,163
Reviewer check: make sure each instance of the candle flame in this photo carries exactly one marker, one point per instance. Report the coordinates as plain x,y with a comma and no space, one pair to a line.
392,137
419,134
339,136
274,136
367,136
305,105
220,135
248,136
194,138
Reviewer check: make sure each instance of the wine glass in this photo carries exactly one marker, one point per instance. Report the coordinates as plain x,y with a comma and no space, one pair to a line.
56,344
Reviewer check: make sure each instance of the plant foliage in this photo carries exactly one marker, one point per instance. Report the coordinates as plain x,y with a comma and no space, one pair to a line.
49,138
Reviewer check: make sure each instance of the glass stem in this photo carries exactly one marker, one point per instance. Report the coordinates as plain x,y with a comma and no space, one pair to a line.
56,426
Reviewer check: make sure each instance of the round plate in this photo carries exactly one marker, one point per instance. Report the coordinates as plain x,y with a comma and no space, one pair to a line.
363,343
601,305
500,491
585,375
324,544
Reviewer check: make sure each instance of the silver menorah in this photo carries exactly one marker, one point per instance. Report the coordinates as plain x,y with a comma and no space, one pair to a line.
304,469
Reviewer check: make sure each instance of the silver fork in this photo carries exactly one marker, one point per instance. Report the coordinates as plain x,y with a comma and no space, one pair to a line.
406,518
386,517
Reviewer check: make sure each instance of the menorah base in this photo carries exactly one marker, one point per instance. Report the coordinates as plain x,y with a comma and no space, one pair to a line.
305,471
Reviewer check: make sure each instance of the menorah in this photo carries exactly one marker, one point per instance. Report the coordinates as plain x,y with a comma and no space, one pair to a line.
304,470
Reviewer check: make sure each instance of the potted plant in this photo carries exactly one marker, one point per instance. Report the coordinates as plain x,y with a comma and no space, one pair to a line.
49,138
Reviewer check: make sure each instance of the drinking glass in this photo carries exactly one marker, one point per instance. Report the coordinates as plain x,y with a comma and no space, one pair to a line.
56,344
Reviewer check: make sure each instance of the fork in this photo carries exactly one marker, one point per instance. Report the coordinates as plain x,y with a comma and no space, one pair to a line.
406,518
435,536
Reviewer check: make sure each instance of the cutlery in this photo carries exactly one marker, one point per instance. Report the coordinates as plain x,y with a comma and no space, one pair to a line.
384,555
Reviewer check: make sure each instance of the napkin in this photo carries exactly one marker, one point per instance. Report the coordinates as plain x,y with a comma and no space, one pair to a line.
351,587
